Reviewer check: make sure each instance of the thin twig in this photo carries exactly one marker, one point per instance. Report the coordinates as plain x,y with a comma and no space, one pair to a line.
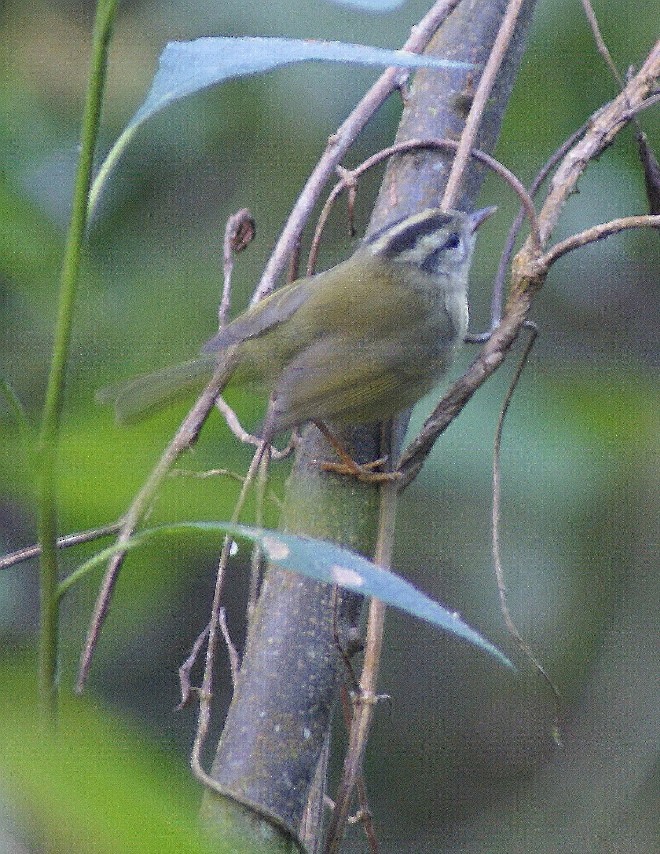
185,684
598,232
207,473
600,42
605,125
486,82
649,161
349,178
367,697
232,652
183,439
234,424
206,691
497,299
340,142
64,542
239,233
347,181
365,815
495,530
244,436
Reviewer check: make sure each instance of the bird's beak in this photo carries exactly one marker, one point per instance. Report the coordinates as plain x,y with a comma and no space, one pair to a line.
478,217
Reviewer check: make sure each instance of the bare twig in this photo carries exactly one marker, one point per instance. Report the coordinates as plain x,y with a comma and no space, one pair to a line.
239,233
497,299
232,652
529,269
184,438
242,434
649,161
606,124
366,698
495,530
206,691
272,496
350,177
598,232
340,142
185,684
600,42
64,542
364,814
234,424
204,475
481,96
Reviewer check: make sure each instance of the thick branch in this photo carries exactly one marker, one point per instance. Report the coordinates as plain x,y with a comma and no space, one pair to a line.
292,666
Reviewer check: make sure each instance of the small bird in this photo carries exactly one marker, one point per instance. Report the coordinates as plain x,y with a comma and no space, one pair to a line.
355,344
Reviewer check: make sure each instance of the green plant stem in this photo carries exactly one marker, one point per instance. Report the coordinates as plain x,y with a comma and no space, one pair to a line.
52,413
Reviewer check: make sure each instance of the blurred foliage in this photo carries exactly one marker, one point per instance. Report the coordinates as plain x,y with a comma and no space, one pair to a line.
466,750
95,785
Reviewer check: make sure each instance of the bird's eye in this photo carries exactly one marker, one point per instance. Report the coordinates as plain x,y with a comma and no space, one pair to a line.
453,241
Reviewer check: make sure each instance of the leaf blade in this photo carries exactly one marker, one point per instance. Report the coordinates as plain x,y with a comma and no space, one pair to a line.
327,563
186,68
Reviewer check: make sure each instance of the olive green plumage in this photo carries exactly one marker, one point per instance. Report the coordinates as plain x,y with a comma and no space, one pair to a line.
357,343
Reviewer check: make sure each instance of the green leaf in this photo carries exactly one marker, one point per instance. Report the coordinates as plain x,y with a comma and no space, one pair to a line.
185,68
324,562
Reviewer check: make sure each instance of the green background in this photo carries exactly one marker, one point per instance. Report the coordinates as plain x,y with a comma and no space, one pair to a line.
462,759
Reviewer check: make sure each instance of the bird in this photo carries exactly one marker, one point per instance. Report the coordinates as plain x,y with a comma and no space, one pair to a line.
357,343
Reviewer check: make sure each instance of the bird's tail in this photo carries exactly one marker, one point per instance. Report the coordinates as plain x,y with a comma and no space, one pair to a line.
141,396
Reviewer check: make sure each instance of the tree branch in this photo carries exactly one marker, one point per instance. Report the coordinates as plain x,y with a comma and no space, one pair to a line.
291,665
529,267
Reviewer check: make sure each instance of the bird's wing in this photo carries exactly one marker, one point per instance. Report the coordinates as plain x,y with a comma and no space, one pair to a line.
344,380
271,311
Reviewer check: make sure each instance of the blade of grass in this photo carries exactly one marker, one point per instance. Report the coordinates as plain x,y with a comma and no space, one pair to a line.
52,412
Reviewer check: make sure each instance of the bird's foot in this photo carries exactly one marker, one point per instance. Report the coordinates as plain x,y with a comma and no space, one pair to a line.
364,472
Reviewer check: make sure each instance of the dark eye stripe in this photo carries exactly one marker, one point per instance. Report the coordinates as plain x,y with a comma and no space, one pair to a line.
430,262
